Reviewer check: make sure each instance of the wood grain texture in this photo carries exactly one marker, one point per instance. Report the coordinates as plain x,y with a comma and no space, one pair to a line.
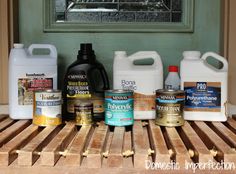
51,153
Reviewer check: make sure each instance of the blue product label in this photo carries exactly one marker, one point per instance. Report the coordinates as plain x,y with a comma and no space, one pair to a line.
119,112
202,96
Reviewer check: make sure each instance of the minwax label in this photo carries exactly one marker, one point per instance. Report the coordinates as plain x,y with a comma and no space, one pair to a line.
202,96
77,89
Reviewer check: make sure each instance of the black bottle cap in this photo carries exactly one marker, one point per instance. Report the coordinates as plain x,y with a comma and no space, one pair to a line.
86,52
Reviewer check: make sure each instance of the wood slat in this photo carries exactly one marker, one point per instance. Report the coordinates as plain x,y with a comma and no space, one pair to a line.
158,143
8,151
140,146
227,135
201,152
96,146
12,131
115,157
107,147
224,151
181,153
3,117
50,154
128,146
6,123
29,154
75,151
232,124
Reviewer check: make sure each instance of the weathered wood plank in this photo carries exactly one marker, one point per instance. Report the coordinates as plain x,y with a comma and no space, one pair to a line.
12,131
181,153
224,151
96,147
30,153
75,151
50,154
6,123
158,143
225,133
107,148
201,152
231,123
115,157
128,147
140,146
3,117
8,151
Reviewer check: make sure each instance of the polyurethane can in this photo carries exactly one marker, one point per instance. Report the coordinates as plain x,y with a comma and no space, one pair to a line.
47,108
169,107
119,107
83,113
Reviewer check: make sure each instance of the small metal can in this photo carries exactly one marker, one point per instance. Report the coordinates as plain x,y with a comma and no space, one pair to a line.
84,113
169,107
119,107
47,108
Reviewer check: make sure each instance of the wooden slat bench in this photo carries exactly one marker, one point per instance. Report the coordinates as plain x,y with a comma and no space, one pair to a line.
99,148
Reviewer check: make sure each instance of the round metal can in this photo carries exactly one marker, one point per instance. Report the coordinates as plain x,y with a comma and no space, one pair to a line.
119,107
83,113
169,107
47,108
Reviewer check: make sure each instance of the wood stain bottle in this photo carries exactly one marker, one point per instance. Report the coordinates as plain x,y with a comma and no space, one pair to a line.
85,81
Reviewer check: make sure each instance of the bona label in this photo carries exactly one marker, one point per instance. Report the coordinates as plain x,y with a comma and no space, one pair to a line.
119,107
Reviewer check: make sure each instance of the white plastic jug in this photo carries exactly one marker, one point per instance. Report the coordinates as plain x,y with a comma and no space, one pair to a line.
144,80
205,87
27,73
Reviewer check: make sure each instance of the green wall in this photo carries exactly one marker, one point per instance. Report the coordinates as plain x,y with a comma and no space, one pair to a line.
206,37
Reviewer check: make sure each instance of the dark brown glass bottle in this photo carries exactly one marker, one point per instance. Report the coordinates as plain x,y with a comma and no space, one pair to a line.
85,80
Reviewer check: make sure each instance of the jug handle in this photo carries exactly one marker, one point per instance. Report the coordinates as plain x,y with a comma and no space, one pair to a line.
218,57
147,54
52,48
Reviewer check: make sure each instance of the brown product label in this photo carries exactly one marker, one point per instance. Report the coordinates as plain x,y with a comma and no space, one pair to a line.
144,102
26,87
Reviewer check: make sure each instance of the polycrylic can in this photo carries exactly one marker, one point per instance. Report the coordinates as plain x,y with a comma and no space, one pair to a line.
119,107
169,107
47,108
83,113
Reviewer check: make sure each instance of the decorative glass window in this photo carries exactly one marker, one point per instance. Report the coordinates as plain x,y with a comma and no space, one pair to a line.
119,15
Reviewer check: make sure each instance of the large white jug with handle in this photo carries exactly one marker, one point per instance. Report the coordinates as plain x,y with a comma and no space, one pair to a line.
144,80
205,86
29,72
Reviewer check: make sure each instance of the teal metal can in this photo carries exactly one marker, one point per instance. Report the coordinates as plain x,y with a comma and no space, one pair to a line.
119,107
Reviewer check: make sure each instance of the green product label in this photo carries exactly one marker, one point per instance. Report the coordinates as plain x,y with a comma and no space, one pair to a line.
119,112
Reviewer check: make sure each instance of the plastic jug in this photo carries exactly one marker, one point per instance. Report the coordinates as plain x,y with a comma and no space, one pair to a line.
205,87
144,80
27,73
85,80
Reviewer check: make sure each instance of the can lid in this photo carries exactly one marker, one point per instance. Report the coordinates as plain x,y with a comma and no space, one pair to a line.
118,91
83,104
170,91
173,68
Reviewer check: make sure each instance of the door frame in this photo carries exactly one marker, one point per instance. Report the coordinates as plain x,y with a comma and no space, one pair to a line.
8,35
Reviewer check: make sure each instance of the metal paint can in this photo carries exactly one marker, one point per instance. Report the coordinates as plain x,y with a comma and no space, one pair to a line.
47,108
169,107
83,113
119,107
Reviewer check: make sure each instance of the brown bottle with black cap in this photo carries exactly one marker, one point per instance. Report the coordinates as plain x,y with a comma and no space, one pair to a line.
85,81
